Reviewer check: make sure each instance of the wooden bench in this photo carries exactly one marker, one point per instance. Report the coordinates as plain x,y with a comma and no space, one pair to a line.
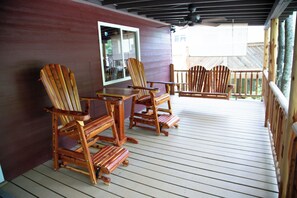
208,84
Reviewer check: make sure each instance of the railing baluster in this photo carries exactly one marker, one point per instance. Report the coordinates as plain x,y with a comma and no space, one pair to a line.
257,83
177,80
251,84
182,80
235,79
240,84
186,84
245,84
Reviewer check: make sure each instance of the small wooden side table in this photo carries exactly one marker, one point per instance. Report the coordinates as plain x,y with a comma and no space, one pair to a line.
124,94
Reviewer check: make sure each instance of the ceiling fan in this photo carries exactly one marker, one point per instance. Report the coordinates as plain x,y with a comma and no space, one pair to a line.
194,18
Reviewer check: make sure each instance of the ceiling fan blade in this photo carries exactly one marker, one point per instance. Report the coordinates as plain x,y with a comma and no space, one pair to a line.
184,27
215,19
209,24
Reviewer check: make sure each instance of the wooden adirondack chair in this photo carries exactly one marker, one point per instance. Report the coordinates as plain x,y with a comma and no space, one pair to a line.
154,115
208,84
218,79
76,124
196,77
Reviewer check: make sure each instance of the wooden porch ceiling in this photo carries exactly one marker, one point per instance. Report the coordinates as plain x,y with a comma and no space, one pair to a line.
175,12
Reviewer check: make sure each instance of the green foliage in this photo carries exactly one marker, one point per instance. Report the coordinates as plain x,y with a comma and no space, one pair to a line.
289,42
108,47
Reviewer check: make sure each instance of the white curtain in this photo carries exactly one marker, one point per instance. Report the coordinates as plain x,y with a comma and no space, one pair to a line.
224,40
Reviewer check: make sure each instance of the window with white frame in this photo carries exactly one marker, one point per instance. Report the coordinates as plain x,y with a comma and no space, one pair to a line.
117,44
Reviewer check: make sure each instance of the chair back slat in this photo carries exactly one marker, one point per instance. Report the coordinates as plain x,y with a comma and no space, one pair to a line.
196,78
218,78
70,89
136,70
61,88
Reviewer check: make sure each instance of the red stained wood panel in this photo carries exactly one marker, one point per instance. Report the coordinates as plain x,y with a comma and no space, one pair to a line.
34,33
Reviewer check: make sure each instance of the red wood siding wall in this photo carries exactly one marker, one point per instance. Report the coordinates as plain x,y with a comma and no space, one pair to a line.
35,32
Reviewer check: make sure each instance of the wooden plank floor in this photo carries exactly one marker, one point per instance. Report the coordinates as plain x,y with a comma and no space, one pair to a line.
220,149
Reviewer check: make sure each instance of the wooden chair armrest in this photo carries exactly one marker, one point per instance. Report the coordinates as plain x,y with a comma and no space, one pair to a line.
101,98
145,88
167,84
163,82
77,115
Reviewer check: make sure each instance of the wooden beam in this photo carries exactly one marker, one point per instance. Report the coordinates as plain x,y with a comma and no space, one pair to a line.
266,48
291,115
278,7
201,10
195,3
108,2
221,13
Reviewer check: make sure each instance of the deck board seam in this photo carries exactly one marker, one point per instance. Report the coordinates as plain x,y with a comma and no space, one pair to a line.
23,188
209,184
63,183
271,169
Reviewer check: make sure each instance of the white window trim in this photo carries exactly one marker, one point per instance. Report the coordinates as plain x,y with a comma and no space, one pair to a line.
121,27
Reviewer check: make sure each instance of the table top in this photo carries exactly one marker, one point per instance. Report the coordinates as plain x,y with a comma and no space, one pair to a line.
123,93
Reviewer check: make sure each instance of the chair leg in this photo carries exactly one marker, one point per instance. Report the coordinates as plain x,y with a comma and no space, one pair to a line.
87,154
156,120
125,163
106,180
115,135
110,109
132,112
169,107
55,141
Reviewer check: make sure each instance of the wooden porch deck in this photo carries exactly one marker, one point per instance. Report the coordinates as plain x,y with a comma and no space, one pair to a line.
220,149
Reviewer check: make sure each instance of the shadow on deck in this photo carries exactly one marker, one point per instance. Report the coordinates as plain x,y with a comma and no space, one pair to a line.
220,149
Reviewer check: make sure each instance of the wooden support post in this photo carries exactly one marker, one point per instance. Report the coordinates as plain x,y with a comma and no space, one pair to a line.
171,78
266,48
273,50
291,114
272,61
265,62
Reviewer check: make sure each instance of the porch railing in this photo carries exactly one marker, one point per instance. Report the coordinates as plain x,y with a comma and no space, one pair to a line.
293,173
277,117
247,83
277,121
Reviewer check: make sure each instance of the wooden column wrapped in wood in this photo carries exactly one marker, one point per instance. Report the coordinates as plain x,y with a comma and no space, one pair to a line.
292,116
266,48
272,58
171,78
273,49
